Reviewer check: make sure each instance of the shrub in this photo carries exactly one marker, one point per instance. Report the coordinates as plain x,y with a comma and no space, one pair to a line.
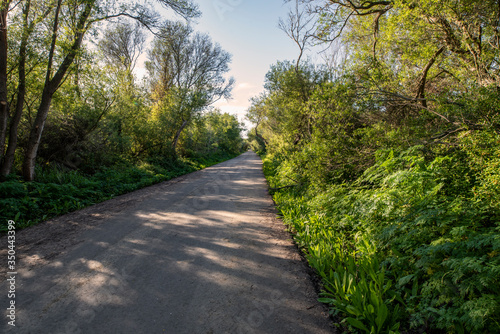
410,241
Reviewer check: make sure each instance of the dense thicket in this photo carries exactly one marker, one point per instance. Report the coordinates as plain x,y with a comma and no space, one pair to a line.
74,113
386,164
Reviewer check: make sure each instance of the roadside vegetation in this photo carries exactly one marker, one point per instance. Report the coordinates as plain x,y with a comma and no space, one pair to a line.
77,123
58,191
386,165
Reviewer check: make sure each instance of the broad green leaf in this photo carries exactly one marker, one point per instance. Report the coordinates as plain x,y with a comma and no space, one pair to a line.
358,324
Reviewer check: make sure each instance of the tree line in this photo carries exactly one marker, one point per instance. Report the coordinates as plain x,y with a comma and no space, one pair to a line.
70,98
383,159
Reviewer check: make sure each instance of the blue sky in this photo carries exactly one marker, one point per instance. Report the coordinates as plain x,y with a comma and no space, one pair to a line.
248,29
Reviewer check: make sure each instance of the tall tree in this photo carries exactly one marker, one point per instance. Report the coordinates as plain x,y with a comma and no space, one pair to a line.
187,69
4,105
417,53
54,80
121,46
8,159
80,16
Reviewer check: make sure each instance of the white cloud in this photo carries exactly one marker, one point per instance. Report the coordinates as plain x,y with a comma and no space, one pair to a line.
244,86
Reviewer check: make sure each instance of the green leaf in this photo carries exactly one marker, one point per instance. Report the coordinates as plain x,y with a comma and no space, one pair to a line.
354,311
382,316
358,324
326,300
404,280
374,298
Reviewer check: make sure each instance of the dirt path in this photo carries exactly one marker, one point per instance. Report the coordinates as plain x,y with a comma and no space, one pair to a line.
199,254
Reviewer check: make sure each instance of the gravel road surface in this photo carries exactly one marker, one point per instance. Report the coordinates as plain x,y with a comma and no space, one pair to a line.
203,253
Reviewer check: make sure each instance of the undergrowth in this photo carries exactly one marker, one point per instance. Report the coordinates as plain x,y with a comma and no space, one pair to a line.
410,244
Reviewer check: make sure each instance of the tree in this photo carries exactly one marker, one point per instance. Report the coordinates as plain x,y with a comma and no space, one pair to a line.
418,58
4,104
122,45
257,115
299,28
187,71
32,15
465,32
54,80
65,45
212,133
289,91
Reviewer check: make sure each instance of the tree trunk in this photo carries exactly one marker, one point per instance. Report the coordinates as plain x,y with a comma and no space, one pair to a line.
423,80
177,135
51,86
36,136
4,105
4,119
8,161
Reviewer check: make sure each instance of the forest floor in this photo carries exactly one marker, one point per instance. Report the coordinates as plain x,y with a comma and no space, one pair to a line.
202,253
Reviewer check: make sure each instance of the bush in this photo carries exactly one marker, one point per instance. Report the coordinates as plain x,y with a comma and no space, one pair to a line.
411,241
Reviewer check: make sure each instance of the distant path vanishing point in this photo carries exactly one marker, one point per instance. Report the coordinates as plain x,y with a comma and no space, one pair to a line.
203,253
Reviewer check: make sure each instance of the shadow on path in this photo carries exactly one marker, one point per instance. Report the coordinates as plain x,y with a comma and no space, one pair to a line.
204,256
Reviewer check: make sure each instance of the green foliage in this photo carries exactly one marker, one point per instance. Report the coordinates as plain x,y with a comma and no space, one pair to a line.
407,238
213,132
105,137
388,166
354,282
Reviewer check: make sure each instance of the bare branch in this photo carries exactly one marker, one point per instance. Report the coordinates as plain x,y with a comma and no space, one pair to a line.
341,12
411,102
299,28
